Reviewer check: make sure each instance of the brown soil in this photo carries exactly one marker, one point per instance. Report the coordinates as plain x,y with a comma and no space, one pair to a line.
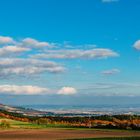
58,134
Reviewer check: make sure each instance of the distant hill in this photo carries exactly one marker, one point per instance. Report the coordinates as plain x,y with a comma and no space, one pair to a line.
21,110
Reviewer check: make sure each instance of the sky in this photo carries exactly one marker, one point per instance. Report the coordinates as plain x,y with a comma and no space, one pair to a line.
69,51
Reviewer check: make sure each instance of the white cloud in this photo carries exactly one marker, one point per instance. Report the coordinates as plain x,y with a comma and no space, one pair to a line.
22,90
67,91
111,72
21,66
78,54
110,86
109,1
12,50
32,43
102,86
6,40
137,45
34,90
27,42
111,89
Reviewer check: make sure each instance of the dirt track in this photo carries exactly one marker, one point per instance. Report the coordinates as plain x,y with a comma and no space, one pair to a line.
57,134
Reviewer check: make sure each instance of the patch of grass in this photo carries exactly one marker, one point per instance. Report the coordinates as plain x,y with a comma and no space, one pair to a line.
28,125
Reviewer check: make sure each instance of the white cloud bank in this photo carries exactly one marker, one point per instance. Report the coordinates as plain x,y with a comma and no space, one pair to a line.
67,91
22,90
34,90
26,42
77,54
28,56
33,43
6,40
47,49
22,66
12,50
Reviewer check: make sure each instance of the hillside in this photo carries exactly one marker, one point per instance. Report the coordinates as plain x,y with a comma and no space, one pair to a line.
21,110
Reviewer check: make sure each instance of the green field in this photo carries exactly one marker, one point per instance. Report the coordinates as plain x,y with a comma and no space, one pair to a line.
28,125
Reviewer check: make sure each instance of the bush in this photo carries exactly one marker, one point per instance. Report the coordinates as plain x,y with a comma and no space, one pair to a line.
4,124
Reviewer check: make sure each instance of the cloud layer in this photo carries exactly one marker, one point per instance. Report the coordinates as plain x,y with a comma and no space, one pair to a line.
34,90
22,90
77,54
111,72
22,66
12,51
33,43
6,40
29,56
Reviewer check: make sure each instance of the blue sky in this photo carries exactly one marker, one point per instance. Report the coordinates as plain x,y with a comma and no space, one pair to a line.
69,51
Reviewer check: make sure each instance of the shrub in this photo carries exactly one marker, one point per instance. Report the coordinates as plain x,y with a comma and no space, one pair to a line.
4,124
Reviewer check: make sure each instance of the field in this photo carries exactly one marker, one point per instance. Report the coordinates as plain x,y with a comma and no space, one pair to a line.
130,138
28,131
27,125
59,134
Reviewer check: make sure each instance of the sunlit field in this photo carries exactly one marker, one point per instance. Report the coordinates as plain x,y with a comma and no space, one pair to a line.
19,129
